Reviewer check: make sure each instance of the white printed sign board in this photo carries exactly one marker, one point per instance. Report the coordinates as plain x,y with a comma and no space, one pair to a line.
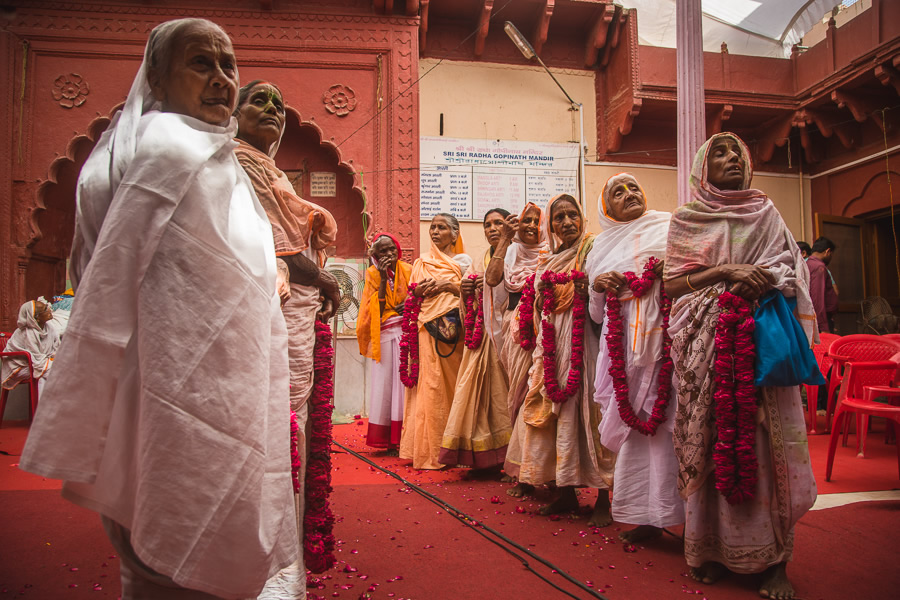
468,177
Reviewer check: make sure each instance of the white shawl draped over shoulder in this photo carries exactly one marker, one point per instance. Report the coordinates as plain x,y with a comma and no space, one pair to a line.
168,411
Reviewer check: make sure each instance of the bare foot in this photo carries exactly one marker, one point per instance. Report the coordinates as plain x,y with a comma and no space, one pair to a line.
566,502
507,478
601,517
708,573
520,489
775,583
640,533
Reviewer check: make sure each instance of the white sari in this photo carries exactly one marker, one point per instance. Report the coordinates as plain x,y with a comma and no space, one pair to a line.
168,411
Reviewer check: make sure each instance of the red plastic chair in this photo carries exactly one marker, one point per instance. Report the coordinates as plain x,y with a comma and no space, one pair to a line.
824,361
31,381
854,348
855,399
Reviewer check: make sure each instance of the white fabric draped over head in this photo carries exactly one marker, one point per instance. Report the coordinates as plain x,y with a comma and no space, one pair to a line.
40,342
154,415
626,246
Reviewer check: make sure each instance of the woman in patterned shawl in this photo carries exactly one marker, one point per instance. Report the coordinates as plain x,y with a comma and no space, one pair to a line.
732,238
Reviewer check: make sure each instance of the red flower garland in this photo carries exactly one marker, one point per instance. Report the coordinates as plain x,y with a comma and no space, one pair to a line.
735,397
474,319
295,454
409,341
526,315
614,342
318,521
576,363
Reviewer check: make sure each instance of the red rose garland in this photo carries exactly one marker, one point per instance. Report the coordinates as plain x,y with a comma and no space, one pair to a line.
576,364
318,521
295,454
526,315
409,341
474,319
735,397
614,341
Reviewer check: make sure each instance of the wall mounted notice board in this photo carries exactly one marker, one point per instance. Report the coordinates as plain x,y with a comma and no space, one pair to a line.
468,177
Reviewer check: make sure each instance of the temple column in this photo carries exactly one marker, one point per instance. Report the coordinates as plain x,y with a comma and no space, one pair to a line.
691,97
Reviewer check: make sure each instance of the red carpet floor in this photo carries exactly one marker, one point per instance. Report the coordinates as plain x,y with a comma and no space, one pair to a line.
393,543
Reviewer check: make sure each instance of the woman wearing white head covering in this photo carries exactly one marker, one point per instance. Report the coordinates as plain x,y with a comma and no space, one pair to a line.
37,336
168,411
646,493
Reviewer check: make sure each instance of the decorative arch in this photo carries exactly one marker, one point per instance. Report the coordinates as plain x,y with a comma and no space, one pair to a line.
873,196
305,150
51,219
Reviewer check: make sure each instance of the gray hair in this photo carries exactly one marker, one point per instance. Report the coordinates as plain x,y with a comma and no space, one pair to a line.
451,220
163,38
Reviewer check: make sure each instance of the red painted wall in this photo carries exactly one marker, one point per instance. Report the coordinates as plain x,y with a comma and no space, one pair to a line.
78,64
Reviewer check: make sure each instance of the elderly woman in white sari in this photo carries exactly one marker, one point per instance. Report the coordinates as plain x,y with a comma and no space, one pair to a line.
743,457
169,414
635,397
561,443
35,334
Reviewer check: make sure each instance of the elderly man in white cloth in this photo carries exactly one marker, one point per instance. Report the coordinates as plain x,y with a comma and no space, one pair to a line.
168,413
633,385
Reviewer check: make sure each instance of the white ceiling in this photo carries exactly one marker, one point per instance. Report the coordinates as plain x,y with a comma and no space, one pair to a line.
754,27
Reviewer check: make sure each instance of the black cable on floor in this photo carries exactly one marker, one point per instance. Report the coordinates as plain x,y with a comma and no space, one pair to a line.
481,528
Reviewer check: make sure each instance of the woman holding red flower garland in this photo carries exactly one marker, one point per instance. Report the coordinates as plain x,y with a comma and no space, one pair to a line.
632,388
726,248
561,443
478,427
435,281
527,243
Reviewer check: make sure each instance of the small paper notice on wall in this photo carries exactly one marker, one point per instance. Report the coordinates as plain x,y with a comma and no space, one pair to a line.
323,184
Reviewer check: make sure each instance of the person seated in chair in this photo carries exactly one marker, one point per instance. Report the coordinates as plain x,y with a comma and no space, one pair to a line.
35,335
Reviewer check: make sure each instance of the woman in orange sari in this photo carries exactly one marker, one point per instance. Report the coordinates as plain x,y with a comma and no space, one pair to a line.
478,427
561,443
378,334
437,275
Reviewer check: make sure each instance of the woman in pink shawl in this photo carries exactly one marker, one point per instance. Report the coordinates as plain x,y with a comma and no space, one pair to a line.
525,243
731,238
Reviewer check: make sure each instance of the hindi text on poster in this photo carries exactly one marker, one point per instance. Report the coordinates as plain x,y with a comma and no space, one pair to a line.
466,177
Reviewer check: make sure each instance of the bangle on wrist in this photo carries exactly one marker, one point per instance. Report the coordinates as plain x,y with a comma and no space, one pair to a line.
688,279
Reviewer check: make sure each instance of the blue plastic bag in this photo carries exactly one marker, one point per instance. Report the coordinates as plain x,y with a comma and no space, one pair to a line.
783,356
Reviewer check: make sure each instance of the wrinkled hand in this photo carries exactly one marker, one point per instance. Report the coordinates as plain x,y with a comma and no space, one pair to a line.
756,279
421,290
611,283
330,296
581,286
384,263
659,268
437,287
283,286
510,227
469,286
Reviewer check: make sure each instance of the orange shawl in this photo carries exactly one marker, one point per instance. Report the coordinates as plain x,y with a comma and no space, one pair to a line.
437,265
297,224
368,330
